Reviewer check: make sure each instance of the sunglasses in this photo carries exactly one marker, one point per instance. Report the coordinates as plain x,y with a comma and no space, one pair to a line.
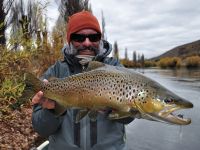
81,37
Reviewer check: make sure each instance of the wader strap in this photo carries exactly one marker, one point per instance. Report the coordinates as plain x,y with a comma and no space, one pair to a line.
93,132
77,128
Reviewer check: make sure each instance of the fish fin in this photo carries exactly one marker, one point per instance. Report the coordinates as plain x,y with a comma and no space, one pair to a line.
59,109
118,115
32,86
93,115
94,65
81,114
135,113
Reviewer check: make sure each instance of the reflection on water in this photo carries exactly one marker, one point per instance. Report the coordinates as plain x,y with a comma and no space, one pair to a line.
185,76
179,73
149,135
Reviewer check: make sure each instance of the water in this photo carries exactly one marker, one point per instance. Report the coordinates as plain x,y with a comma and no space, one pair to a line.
149,135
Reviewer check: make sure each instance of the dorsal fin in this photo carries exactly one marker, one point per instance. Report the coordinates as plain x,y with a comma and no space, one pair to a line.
94,65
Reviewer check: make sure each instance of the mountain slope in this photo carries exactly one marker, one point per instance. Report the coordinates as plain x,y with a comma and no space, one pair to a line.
182,51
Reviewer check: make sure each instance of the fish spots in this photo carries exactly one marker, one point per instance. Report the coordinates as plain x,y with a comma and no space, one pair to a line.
141,96
110,98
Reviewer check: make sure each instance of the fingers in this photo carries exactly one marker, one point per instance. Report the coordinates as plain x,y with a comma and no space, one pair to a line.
37,98
48,104
44,102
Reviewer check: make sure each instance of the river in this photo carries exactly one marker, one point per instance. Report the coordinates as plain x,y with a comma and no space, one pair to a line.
148,135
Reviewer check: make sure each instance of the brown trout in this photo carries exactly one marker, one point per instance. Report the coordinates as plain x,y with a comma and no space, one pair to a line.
101,86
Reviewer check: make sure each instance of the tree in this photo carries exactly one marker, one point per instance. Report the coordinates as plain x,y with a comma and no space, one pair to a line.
142,60
139,58
126,54
26,22
58,36
68,7
116,50
103,26
4,9
134,57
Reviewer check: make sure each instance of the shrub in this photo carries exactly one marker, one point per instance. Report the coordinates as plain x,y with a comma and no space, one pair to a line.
192,62
168,62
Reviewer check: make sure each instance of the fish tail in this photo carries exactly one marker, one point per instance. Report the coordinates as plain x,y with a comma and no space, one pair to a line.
32,86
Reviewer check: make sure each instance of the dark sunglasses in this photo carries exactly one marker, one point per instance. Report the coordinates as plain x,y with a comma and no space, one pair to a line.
81,37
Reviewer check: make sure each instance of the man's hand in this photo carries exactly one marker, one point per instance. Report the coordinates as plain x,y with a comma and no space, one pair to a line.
44,102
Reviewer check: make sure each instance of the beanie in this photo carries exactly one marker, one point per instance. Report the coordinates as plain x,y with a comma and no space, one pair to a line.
82,20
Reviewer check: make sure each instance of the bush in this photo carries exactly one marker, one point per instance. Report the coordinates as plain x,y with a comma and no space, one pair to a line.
149,64
168,62
192,62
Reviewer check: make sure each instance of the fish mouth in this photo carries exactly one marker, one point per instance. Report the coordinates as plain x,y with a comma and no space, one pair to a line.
169,115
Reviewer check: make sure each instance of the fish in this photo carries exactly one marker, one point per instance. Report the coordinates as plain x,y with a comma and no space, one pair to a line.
125,92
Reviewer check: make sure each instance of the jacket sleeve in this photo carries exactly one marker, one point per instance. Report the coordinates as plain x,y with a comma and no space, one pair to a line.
43,120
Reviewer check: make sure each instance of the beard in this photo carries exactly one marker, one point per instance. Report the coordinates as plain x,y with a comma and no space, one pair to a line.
72,53
77,50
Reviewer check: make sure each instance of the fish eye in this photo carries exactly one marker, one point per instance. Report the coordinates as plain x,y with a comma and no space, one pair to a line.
168,100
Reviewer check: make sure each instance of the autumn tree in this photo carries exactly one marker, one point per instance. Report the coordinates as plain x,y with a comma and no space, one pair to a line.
27,21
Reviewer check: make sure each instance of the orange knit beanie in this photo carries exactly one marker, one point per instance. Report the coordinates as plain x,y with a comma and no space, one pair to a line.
82,20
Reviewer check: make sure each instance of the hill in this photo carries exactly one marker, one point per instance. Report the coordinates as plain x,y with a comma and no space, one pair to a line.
182,51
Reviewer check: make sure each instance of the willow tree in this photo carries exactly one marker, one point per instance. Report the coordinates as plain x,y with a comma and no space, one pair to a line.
25,20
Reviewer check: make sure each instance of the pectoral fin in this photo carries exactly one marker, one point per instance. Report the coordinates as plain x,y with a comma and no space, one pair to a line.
118,115
93,115
59,109
81,114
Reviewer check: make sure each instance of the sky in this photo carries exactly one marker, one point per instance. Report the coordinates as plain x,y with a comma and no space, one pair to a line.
149,27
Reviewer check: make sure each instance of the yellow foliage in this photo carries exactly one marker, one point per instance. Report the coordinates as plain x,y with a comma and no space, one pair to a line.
14,62
149,63
192,61
170,62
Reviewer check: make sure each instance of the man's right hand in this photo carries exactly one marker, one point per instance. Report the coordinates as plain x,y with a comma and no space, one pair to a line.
44,102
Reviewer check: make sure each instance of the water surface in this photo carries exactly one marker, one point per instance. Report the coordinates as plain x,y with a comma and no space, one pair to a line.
149,135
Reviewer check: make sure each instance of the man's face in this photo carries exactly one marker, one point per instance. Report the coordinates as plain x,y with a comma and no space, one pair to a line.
84,40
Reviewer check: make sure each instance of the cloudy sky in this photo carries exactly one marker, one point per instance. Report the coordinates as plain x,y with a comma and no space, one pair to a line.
150,27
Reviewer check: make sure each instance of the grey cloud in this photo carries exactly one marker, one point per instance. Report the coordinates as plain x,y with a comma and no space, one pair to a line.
149,26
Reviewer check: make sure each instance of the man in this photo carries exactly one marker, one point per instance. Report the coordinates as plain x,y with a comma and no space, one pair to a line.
84,44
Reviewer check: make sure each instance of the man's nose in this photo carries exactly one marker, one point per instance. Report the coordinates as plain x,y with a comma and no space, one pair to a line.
87,42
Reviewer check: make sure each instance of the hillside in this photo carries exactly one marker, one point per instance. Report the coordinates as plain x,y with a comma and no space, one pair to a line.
182,51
